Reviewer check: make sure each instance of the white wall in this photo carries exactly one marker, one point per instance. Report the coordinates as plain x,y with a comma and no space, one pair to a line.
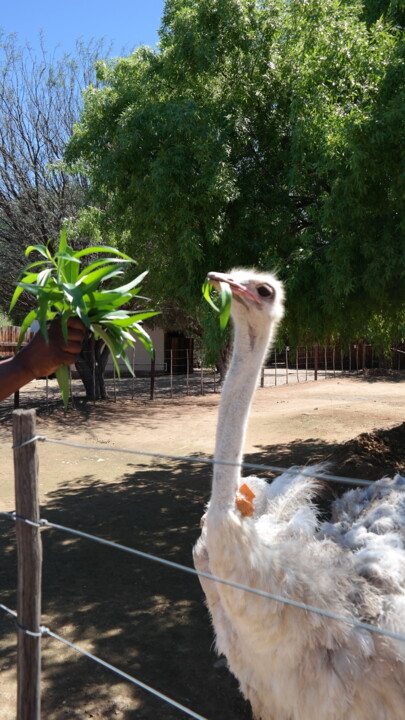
142,359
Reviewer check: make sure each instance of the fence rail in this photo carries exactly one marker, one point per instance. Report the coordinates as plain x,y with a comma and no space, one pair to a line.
29,524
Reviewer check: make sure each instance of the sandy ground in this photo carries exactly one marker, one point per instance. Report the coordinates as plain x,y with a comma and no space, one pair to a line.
149,620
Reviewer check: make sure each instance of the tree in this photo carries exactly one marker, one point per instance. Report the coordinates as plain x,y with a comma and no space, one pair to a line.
245,140
40,100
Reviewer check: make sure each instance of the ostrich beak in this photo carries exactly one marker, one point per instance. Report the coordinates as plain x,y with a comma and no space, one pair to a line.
216,278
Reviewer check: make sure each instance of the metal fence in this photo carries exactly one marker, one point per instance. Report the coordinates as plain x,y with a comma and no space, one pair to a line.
164,381
29,524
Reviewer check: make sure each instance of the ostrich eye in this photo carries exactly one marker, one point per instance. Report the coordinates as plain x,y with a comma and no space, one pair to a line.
265,291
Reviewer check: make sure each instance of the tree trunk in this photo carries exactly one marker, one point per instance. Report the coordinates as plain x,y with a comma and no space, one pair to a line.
222,362
91,367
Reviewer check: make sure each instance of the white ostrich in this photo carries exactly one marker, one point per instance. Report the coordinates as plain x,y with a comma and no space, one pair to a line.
293,664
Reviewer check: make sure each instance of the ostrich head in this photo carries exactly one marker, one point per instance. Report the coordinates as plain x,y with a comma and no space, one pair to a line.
257,300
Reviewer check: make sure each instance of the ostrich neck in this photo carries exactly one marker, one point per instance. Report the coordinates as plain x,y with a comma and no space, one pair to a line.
248,355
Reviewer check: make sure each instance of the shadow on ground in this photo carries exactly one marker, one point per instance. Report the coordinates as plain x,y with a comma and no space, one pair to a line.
145,618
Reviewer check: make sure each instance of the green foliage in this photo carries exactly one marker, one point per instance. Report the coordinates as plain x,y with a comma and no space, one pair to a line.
4,319
225,297
62,288
267,134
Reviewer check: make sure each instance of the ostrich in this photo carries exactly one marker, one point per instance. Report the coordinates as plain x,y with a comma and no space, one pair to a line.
293,664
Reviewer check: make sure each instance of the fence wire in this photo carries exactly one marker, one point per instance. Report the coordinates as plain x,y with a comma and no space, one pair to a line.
43,523
135,681
304,470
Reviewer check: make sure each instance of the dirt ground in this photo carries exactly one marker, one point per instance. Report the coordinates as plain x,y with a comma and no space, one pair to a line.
149,620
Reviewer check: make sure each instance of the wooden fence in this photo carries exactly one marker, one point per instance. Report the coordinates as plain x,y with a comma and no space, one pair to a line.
9,335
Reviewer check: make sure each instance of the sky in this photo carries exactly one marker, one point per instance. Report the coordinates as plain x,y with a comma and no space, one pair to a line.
127,23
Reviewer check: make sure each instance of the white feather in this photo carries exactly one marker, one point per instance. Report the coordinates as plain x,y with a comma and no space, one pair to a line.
292,664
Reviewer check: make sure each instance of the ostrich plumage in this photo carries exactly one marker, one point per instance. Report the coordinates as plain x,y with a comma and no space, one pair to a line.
293,664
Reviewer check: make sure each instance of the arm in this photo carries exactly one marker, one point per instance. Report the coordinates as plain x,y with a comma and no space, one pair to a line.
40,358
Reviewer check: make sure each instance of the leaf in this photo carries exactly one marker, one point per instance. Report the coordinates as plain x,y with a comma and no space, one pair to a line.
132,284
111,344
125,320
43,276
42,314
127,362
32,265
42,249
99,263
206,291
62,376
29,318
93,279
66,256
105,302
20,288
62,241
225,300
103,248
74,296
144,338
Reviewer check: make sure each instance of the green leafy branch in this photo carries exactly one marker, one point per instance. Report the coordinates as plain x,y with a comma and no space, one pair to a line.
225,300
63,288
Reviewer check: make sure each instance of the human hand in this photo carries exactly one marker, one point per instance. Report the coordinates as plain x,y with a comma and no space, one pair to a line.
40,358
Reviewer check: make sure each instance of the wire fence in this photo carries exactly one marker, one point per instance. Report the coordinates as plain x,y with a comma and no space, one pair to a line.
27,516
176,377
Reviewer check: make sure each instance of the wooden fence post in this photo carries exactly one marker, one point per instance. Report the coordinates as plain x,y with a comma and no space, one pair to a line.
152,376
171,373
133,373
29,551
188,370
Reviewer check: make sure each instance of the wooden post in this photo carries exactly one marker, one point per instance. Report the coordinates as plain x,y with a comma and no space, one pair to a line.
152,377
275,368
306,364
326,362
29,550
286,365
171,373
188,370
94,371
296,364
316,362
133,373
16,394
262,377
